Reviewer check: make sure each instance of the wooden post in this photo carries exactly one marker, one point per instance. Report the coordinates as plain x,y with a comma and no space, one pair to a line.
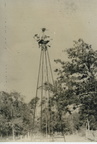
13,134
87,128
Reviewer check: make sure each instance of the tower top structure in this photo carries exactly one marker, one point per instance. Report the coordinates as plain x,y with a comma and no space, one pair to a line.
43,41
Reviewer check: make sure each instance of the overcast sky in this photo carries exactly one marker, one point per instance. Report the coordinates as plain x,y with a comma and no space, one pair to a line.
66,20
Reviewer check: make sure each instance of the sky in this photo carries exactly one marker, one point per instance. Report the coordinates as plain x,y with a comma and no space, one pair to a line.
20,20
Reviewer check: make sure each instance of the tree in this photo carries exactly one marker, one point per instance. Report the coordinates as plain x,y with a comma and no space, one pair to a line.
15,115
77,82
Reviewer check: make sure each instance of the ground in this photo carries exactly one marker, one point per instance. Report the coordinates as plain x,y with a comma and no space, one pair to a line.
68,138
76,138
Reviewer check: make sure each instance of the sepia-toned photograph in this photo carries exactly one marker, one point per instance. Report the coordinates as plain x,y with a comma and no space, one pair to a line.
48,70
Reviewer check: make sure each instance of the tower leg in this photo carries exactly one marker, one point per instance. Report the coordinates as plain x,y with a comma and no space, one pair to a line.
42,90
37,89
49,103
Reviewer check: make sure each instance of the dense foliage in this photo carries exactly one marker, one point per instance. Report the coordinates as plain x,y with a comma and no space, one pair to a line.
16,116
77,84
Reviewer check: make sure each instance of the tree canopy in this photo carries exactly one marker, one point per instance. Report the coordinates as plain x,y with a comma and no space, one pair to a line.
78,81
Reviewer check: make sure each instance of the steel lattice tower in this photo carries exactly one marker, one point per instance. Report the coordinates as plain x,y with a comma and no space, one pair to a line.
45,77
